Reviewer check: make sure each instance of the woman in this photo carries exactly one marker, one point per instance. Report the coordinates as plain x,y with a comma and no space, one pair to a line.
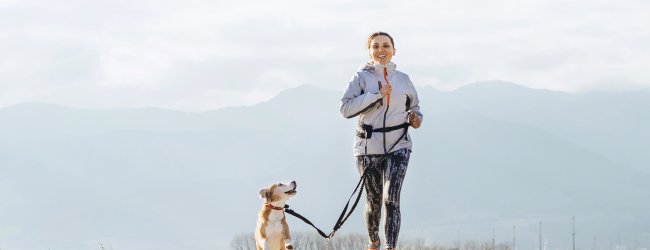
387,104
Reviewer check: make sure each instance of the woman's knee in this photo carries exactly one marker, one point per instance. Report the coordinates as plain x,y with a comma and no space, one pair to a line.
391,205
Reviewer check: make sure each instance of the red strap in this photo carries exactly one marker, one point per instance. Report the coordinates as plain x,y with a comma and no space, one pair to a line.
268,205
387,83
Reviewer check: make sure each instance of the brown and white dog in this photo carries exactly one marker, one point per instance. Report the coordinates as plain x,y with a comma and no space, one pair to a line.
272,231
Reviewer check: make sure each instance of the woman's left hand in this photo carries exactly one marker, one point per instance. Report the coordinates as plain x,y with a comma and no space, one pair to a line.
414,120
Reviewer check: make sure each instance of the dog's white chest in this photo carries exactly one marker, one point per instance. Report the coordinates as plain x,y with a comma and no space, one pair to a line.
274,225
276,215
274,230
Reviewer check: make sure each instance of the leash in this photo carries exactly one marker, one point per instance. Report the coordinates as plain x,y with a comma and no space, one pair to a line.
343,217
345,214
297,215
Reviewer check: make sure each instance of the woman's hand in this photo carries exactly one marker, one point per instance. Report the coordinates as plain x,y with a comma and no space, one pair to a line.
385,90
414,120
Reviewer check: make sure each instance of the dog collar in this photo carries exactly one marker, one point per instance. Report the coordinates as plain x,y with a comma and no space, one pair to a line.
268,205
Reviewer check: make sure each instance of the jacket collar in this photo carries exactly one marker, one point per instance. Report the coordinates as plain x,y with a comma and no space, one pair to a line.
379,68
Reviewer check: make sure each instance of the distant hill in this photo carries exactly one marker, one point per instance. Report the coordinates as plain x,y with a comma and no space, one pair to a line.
489,156
614,124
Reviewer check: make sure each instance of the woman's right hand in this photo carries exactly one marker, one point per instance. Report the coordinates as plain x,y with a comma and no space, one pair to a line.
385,90
414,120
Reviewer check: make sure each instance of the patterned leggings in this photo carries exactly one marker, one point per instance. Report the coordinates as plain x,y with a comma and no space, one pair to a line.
384,183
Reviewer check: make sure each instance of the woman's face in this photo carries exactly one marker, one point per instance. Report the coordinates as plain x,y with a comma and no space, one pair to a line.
381,50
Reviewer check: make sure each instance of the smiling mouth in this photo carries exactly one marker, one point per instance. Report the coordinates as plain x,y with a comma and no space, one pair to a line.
381,56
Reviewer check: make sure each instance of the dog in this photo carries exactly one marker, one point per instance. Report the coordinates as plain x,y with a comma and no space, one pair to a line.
272,231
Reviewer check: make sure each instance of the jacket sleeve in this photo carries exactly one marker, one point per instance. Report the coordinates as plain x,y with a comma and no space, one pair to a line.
355,101
415,104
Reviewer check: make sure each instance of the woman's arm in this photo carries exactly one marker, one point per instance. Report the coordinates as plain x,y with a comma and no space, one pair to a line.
355,102
415,116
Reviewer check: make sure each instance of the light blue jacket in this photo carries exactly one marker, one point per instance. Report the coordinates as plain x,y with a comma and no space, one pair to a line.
362,98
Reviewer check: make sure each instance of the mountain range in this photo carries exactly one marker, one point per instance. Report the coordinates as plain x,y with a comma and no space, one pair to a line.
489,157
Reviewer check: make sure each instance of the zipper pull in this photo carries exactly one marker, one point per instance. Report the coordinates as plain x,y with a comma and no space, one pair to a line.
387,83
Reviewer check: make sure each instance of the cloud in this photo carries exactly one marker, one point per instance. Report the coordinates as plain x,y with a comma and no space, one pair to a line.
51,51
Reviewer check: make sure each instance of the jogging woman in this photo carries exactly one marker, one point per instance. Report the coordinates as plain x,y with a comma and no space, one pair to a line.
386,103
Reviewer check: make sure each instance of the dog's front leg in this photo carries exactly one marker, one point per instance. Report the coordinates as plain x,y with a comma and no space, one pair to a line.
287,244
286,236
264,245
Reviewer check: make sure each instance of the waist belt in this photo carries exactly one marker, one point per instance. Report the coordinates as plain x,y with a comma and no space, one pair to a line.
365,131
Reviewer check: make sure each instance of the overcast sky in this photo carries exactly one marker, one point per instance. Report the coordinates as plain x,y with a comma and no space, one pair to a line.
200,55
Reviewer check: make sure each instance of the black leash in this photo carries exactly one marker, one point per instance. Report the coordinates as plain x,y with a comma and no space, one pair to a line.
297,215
344,217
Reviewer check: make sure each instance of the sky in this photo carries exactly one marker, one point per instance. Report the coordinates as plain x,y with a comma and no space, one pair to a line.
197,55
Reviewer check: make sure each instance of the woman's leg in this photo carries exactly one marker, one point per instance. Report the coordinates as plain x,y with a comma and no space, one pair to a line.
394,173
374,186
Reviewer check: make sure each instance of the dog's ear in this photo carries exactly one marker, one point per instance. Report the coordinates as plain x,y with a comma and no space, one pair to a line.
265,194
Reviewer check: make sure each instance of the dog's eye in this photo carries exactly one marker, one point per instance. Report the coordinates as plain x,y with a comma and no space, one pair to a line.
280,184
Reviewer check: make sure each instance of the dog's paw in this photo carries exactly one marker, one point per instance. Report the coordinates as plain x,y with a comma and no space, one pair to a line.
288,246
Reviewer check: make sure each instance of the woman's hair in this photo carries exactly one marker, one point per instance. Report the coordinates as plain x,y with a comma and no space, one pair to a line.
376,34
